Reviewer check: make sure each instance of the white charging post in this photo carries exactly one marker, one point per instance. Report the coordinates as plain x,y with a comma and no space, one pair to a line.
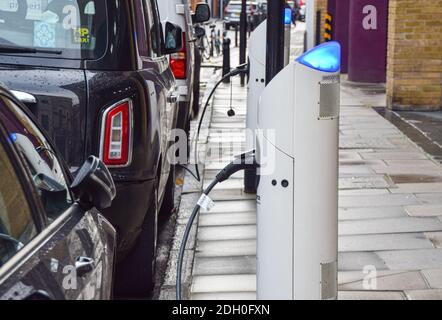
257,83
297,239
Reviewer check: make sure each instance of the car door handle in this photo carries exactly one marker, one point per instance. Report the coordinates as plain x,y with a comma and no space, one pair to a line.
173,97
24,97
84,265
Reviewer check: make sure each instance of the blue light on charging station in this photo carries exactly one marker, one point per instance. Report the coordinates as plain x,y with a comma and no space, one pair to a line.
325,57
13,137
288,16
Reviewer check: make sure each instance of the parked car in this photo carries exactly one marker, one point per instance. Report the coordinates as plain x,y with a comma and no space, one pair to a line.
302,4
233,11
96,74
53,244
186,64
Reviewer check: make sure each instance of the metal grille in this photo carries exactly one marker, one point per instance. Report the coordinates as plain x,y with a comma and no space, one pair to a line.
329,97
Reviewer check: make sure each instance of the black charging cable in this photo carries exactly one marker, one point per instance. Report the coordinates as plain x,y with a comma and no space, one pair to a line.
241,69
242,162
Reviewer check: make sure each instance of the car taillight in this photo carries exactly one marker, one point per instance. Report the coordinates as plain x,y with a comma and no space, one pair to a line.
178,61
116,135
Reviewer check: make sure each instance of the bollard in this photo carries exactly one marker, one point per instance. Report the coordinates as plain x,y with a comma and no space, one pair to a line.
226,58
236,37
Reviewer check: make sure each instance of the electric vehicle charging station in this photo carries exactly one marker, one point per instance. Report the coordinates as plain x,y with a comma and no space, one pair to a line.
257,75
297,211
297,115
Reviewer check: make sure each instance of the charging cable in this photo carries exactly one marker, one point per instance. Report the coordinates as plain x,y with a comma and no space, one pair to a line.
242,162
241,69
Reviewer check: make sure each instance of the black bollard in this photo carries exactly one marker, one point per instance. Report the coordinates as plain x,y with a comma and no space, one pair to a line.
226,58
236,36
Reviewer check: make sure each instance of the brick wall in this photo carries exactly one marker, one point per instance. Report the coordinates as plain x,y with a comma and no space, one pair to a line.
321,5
414,59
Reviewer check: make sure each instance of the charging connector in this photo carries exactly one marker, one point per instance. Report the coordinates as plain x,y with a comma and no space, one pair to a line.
241,162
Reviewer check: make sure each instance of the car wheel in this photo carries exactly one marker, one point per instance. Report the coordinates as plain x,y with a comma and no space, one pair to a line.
169,195
135,275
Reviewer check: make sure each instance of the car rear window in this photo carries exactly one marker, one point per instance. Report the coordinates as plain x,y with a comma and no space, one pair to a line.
76,28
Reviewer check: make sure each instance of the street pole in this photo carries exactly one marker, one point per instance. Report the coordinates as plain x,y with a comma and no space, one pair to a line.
275,38
310,24
275,57
243,38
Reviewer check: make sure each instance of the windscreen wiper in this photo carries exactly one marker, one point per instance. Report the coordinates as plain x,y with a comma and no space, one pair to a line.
19,49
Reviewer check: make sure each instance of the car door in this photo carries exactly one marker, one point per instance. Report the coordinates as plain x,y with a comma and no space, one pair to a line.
158,76
169,89
68,254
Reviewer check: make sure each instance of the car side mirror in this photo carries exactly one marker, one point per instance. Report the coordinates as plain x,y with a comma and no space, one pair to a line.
93,185
173,41
202,13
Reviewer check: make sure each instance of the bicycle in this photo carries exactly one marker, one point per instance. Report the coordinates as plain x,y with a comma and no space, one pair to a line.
209,48
202,42
215,41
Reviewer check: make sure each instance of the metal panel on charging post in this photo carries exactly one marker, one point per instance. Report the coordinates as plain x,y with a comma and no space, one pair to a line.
297,239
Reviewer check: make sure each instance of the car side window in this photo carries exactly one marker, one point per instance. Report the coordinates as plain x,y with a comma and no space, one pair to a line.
153,26
39,157
17,226
141,30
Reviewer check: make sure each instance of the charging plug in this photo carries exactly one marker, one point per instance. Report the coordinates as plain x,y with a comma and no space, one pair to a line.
242,162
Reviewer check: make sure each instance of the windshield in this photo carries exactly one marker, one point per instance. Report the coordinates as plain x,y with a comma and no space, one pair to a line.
77,28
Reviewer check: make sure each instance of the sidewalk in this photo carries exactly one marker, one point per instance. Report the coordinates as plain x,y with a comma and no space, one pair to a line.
386,224
390,215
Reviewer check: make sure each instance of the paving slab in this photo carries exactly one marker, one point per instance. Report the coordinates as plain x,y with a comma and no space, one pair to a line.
429,198
363,192
204,266
364,182
394,155
245,296
224,283
375,143
389,200
226,248
227,219
417,188
233,206
381,242
424,295
371,213
246,232
348,277
424,210
370,295
389,225
412,259
357,261
346,170
395,282
413,163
